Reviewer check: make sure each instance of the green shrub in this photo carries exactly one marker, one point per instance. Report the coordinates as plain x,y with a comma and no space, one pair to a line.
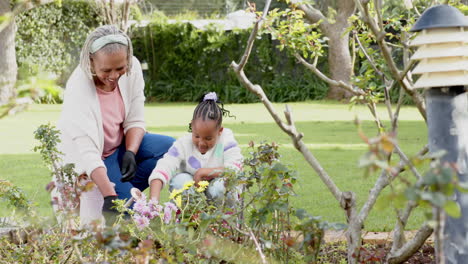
49,37
184,62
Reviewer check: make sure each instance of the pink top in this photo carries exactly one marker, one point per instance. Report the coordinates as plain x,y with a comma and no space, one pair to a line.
113,115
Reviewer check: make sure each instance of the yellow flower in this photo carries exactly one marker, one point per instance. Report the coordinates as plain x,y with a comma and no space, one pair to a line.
178,201
175,193
203,183
202,186
187,185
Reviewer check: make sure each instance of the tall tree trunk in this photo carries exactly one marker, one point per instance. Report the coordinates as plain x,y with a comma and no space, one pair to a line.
8,66
339,57
339,61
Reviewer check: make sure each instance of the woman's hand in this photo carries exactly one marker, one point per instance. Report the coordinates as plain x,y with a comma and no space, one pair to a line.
129,166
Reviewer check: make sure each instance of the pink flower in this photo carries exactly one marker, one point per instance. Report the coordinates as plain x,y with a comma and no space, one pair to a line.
169,207
140,206
141,221
154,206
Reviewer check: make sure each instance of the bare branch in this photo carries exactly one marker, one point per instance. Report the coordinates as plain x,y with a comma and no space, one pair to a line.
322,76
259,248
312,14
402,220
372,62
380,35
408,250
373,109
379,185
377,8
408,162
396,115
289,129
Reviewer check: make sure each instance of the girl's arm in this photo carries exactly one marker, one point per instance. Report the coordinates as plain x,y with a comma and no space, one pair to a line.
207,174
165,167
155,189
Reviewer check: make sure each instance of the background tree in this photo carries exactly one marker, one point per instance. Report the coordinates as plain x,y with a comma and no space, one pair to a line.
379,74
332,18
8,67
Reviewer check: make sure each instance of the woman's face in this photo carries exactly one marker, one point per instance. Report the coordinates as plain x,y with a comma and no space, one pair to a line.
108,68
205,134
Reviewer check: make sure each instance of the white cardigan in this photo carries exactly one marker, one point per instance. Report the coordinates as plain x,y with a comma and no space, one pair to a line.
184,156
80,123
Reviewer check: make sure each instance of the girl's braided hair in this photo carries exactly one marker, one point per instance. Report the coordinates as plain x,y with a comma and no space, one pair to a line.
209,108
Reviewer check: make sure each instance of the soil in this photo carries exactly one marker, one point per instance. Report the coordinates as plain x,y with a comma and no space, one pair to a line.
373,253
376,245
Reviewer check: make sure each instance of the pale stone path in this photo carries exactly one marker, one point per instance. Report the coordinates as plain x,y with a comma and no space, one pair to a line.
332,236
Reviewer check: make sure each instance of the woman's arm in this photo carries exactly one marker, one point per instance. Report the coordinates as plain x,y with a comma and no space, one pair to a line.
99,177
133,139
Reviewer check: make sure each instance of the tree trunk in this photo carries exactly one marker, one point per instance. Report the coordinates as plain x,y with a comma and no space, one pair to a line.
339,61
8,66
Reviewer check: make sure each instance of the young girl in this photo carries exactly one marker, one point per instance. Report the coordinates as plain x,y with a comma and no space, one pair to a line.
201,155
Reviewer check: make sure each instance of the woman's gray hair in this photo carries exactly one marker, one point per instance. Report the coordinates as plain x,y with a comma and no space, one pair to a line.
85,57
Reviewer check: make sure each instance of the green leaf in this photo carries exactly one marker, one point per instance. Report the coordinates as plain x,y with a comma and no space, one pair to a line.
446,175
452,208
412,194
435,198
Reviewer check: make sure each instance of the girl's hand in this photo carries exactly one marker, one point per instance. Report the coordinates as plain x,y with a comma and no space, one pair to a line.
207,174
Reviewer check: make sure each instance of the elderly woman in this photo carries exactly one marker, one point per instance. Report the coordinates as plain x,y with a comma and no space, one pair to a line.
102,123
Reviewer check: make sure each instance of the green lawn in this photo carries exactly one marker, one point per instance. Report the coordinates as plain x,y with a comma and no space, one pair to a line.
328,128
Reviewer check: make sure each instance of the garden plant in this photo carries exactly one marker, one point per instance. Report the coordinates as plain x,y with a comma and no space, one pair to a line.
371,36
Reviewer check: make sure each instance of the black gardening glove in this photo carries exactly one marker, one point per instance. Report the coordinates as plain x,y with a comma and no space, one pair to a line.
110,213
109,204
128,166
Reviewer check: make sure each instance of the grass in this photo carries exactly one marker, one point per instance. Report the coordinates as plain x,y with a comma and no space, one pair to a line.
329,133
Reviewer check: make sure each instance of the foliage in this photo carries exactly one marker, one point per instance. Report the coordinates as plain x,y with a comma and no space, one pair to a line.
13,195
438,187
66,194
191,223
291,30
49,37
185,62
194,229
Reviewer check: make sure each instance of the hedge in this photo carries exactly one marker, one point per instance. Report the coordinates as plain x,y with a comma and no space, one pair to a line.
49,37
184,62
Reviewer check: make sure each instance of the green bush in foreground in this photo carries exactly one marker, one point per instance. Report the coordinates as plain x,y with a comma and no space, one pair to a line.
191,229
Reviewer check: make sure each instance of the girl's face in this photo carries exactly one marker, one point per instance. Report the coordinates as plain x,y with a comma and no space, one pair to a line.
108,68
205,134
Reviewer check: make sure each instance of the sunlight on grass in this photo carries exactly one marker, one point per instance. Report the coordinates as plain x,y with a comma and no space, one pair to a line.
329,132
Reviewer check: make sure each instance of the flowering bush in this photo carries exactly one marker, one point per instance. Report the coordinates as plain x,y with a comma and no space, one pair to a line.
190,228
191,223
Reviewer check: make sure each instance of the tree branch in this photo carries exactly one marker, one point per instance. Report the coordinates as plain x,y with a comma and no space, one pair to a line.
380,36
372,62
290,128
323,77
312,14
408,250
379,185
402,220
258,247
405,159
